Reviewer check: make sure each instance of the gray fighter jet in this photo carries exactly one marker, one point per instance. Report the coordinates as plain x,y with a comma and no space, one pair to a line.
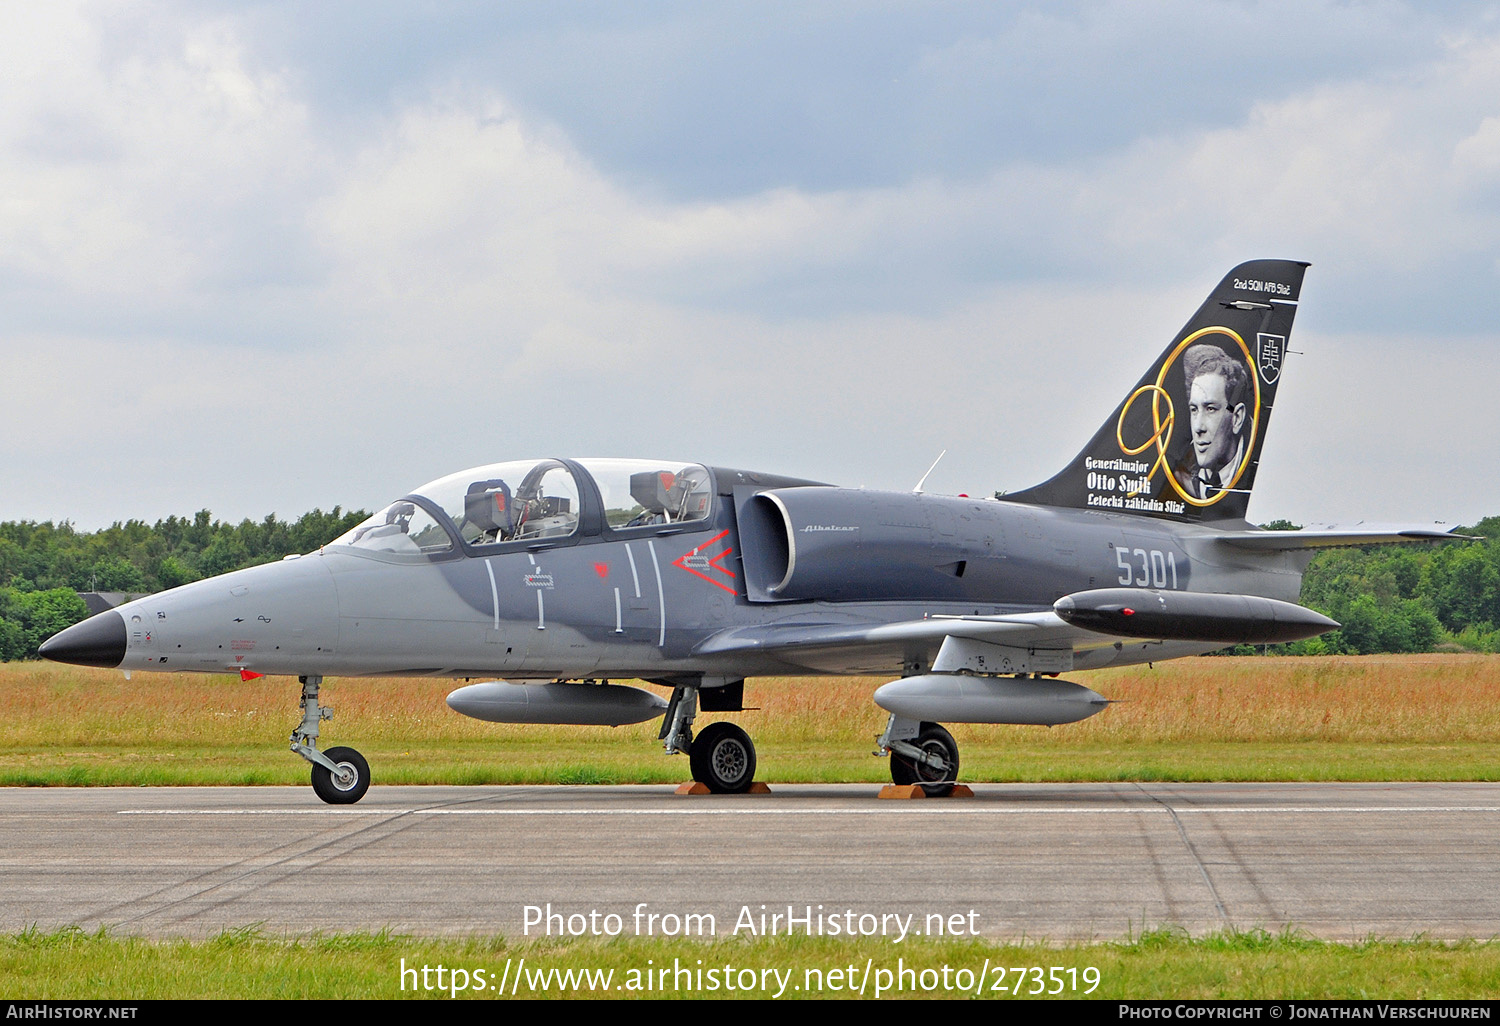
562,575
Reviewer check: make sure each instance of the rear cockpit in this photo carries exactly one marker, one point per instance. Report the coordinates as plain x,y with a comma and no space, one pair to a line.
527,502
638,493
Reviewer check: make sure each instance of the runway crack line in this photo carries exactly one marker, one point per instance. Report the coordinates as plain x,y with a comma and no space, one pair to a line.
1197,860
402,819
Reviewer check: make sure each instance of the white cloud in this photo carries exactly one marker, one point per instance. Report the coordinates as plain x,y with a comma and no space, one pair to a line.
1364,172
143,179
252,312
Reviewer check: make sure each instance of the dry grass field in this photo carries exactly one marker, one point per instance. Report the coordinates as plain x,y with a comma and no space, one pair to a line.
1430,717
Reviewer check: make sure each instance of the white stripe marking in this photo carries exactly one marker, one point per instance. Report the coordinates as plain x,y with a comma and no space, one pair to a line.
541,618
494,594
633,575
661,598
881,810
619,627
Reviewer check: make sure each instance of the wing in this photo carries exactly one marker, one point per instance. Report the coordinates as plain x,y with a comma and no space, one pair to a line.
1039,641
1084,630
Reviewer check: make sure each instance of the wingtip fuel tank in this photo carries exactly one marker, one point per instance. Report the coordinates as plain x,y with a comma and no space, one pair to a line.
1191,616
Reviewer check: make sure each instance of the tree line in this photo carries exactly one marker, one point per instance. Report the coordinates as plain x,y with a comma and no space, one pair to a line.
1405,598
1389,598
43,566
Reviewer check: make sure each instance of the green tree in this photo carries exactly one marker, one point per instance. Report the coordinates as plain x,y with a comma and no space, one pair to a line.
172,572
37,615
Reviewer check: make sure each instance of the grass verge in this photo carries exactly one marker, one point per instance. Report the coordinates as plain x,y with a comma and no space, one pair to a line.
249,964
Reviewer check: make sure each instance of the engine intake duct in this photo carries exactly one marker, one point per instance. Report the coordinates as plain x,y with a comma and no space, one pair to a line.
852,544
1191,616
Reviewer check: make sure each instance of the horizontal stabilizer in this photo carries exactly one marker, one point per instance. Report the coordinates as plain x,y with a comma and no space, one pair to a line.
1333,537
1191,616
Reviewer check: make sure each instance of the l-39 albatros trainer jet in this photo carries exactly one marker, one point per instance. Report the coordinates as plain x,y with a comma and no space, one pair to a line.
562,575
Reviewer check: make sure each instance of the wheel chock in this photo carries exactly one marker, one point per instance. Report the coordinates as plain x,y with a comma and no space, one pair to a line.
698,787
915,791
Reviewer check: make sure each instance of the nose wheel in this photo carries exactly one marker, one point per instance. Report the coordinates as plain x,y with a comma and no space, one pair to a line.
347,783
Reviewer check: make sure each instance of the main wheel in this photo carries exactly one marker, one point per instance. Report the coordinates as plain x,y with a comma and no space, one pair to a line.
936,781
723,757
350,785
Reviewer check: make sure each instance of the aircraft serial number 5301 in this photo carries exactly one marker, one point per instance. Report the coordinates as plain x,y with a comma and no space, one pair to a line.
1157,569
560,576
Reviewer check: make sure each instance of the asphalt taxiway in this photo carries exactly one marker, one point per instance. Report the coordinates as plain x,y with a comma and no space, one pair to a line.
1058,862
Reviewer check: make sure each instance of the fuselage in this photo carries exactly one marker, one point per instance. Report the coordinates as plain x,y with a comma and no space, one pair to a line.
586,584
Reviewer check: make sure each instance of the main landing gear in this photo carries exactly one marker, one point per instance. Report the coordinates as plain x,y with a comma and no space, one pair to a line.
922,753
340,776
722,756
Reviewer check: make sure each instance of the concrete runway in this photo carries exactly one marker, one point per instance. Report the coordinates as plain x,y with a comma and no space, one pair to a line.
1058,862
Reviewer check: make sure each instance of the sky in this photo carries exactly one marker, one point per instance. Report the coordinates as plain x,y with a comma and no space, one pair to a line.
265,257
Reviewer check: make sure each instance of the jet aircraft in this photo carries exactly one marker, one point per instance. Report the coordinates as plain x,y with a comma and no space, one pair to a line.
558,577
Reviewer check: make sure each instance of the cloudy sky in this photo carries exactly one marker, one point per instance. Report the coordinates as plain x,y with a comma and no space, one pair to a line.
262,257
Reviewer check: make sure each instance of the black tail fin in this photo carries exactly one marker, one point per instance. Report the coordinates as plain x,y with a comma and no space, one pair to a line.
1186,441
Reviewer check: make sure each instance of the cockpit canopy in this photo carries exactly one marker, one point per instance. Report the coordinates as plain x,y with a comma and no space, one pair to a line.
530,500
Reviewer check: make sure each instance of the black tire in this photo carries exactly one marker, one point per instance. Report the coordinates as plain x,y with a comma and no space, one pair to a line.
333,791
723,758
935,782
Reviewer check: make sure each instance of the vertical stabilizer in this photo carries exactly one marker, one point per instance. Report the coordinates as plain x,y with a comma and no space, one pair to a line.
1185,442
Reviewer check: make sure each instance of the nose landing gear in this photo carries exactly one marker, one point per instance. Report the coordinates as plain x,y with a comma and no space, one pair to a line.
340,776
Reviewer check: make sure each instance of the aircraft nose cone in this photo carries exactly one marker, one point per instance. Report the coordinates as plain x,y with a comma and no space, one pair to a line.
97,641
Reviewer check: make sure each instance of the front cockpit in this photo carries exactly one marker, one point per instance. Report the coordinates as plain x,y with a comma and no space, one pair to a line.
528,502
403,528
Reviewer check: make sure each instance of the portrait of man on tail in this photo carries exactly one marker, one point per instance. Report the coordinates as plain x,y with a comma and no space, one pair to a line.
1218,391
